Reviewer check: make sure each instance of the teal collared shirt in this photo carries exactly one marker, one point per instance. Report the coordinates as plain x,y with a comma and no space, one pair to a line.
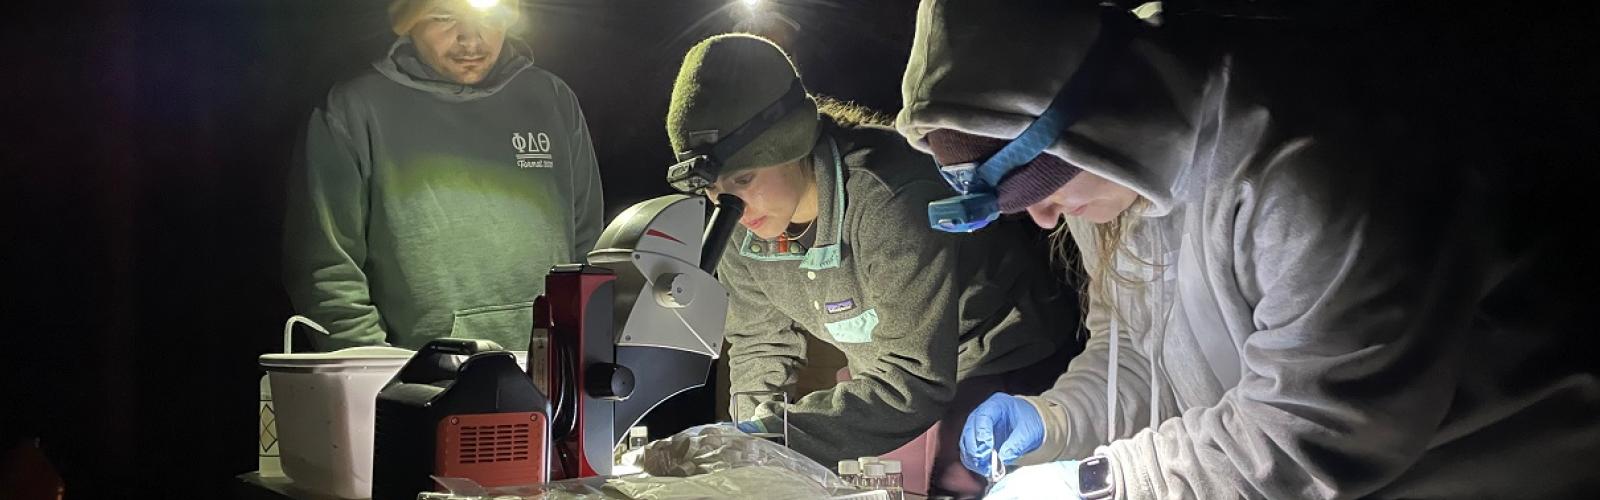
824,252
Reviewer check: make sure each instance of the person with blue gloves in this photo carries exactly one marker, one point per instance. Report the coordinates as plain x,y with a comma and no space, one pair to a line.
832,245
1292,293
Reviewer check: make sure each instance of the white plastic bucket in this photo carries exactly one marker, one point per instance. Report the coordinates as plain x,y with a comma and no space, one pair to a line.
325,404
325,407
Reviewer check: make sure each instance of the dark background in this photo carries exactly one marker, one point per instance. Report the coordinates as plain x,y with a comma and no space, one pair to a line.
145,148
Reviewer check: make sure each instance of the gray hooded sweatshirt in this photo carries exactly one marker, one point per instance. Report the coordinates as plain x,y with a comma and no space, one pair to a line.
1327,316
425,208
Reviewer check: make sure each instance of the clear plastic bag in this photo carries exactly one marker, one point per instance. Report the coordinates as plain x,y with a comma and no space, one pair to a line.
707,461
712,448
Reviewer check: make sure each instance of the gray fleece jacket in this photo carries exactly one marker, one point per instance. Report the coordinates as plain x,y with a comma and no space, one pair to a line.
915,311
1329,315
423,208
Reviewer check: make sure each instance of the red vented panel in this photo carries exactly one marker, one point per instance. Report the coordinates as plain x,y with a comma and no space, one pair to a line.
493,449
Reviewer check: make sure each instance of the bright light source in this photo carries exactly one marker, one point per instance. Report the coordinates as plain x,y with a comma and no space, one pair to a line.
760,17
483,4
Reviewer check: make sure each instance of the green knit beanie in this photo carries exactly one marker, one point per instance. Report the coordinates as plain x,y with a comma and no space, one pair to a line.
724,82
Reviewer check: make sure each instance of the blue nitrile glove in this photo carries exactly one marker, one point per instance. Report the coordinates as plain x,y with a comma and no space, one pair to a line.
750,426
1051,480
1004,419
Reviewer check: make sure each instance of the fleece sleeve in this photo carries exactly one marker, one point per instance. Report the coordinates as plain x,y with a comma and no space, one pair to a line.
909,273
324,237
588,204
765,350
1075,410
1353,359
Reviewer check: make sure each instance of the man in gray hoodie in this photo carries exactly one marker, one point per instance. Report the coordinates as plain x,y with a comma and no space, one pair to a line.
1318,290
437,189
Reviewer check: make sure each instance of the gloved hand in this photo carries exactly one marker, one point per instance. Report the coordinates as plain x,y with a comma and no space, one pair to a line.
1004,419
1051,480
750,426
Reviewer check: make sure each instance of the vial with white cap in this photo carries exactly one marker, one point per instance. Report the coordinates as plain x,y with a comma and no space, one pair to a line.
638,437
850,472
872,476
893,481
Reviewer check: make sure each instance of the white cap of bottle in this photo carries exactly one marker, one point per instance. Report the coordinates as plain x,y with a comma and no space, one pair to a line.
872,470
849,468
868,460
891,466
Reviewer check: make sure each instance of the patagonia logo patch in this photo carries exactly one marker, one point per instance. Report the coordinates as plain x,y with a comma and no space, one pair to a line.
841,306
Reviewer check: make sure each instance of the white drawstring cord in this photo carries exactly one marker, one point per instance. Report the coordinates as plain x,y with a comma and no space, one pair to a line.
1155,402
1111,382
1158,345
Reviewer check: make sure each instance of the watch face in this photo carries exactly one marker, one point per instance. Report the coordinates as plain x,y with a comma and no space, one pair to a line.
1094,475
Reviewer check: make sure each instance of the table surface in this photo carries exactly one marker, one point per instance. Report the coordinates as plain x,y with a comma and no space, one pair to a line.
254,486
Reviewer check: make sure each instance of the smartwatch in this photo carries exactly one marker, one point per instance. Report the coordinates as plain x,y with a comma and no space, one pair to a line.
1094,479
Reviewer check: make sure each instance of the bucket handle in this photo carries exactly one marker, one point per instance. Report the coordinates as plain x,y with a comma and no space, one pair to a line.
288,330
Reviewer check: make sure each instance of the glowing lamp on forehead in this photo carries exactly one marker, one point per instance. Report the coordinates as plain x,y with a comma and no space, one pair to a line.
483,5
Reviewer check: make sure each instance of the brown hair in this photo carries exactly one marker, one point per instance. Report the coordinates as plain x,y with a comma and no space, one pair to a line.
848,114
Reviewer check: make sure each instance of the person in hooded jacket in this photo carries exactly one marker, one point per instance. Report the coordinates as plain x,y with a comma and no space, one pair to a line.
1293,292
436,190
833,243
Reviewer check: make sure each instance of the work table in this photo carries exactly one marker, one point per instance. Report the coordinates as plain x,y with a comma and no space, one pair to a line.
254,486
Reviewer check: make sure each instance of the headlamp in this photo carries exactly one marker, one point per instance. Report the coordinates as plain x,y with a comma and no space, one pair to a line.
974,208
694,175
979,203
965,213
491,13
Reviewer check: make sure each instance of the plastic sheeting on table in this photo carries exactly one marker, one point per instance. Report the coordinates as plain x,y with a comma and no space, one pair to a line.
757,481
708,461
587,488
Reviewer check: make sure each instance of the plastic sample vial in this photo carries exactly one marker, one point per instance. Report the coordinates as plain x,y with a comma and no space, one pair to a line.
864,461
850,472
893,481
872,477
638,437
